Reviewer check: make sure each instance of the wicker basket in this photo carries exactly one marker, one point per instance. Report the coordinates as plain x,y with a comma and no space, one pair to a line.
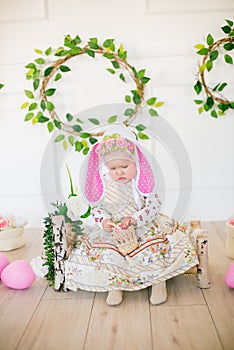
125,240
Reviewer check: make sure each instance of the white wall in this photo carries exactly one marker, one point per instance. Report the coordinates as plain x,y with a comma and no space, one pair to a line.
159,35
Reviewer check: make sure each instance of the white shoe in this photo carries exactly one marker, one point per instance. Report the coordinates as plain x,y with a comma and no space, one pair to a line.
115,297
159,293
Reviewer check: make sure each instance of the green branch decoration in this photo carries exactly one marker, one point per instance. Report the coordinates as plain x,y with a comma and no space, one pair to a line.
213,100
51,65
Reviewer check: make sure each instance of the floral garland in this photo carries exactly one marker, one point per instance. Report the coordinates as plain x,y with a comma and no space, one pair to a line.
40,109
213,101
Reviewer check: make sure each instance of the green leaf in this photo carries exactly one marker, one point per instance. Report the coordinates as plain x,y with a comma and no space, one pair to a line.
71,140
223,107
43,119
136,97
48,51
202,67
198,87
199,46
59,138
29,94
57,77
228,46
78,146
228,59
43,105
128,98
92,140
65,144
94,121
24,105
209,39
64,68
203,51
151,101
91,53
109,43
48,71
32,106
198,102
38,51
159,104
93,43
115,64
57,124
230,23
214,114
200,109
28,116
50,92
141,73
128,112
85,135
122,77
142,136
69,117
112,119
222,86
1,86
210,102
110,56
209,65
75,51
140,127
206,107
76,128
79,120
85,150
153,112
145,80
36,74
40,60
31,65
112,71
36,83
50,106
226,29
214,55
50,127
216,86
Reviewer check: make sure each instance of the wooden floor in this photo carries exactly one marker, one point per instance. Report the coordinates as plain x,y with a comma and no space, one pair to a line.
40,318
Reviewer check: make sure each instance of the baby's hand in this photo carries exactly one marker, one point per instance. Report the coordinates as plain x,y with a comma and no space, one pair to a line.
126,222
107,225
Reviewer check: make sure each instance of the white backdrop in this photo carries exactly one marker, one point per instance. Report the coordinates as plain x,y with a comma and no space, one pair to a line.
159,35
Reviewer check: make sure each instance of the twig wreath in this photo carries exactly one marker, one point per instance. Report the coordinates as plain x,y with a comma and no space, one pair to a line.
214,102
39,108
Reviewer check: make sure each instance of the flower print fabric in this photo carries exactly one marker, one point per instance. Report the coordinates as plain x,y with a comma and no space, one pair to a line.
164,248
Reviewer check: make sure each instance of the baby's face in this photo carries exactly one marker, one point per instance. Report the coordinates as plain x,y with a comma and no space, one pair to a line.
121,169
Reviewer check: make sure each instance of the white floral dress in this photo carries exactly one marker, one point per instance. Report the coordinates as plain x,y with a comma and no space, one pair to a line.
164,247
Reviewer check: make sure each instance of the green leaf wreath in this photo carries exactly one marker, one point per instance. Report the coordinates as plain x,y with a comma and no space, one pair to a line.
51,65
213,100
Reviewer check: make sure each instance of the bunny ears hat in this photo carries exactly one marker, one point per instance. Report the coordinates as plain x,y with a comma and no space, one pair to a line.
117,139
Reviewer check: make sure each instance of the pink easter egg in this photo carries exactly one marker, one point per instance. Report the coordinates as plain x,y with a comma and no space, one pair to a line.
18,275
4,261
229,277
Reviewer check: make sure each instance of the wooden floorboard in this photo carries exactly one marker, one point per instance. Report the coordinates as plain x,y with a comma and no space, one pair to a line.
40,318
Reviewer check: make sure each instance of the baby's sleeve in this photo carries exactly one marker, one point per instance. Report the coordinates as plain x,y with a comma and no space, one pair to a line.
99,215
149,212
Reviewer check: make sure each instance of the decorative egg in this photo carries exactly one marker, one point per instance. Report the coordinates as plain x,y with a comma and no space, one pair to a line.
229,277
4,261
18,275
